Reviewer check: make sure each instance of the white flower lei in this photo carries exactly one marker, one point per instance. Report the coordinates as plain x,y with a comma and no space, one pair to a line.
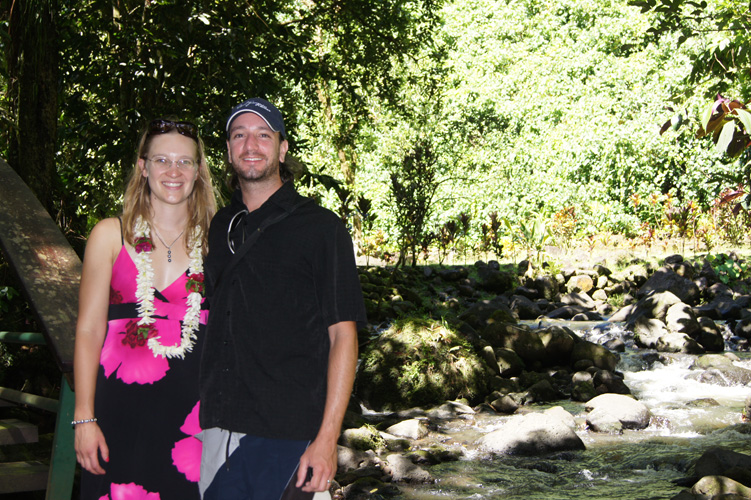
145,294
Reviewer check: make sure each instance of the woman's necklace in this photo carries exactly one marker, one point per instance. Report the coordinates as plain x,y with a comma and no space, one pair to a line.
145,293
169,247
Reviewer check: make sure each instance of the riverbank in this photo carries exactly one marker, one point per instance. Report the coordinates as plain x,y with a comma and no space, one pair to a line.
485,311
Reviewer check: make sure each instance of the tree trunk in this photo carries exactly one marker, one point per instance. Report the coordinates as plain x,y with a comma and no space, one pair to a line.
35,68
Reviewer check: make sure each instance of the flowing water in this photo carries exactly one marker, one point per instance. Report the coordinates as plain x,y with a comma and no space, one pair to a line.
688,418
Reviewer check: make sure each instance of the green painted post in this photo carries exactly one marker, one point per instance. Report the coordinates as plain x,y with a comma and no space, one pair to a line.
63,460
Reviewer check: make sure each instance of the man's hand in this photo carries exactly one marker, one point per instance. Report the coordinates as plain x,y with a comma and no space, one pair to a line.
321,458
321,454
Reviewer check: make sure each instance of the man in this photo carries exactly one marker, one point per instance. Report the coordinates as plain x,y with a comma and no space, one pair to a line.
281,343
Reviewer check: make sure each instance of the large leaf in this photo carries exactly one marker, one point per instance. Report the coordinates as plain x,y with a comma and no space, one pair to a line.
726,136
705,118
745,118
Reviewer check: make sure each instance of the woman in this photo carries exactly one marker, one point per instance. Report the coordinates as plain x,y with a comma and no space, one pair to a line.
140,325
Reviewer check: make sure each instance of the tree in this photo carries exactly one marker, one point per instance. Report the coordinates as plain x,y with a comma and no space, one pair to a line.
123,62
413,186
30,104
724,24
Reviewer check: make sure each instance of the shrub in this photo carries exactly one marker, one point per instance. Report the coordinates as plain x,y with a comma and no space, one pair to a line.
420,362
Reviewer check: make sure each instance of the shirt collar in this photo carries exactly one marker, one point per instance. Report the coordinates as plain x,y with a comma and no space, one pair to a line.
285,198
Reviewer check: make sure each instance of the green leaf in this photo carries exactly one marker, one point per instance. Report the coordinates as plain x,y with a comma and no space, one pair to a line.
725,137
706,116
745,118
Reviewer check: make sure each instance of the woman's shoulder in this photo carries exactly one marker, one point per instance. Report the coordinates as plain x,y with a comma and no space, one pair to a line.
106,234
107,227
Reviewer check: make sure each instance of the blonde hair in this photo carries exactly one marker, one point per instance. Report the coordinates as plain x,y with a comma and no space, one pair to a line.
201,202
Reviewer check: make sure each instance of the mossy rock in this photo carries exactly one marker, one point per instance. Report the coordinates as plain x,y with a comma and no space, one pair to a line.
362,439
419,362
434,454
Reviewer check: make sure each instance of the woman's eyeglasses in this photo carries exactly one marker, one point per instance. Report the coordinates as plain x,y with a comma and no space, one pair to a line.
163,126
163,164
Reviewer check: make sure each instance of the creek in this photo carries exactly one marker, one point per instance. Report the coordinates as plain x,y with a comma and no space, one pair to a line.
688,417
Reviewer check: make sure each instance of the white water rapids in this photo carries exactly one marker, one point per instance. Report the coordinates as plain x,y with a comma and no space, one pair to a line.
688,417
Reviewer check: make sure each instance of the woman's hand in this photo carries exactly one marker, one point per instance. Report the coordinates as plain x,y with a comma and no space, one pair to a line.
89,444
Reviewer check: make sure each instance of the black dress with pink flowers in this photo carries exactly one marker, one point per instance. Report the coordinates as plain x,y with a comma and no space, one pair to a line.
146,405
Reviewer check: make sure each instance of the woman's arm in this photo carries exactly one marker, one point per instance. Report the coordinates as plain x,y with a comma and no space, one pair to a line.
93,303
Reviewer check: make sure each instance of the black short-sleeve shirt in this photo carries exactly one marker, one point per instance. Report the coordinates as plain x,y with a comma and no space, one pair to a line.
265,356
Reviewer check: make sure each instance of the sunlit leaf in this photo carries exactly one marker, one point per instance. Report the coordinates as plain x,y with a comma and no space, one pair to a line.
745,118
725,137
706,116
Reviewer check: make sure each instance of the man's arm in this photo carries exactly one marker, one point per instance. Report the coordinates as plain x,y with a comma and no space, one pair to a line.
321,454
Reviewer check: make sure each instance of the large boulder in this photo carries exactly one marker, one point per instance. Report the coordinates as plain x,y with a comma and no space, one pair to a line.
524,308
487,353
541,392
496,281
362,439
719,370
606,381
504,404
558,343
532,434
722,306
567,312
580,283
635,273
485,312
349,459
622,314
678,342
403,470
578,299
653,306
710,337
681,319
599,355
718,461
522,340
667,280
509,363
647,332
742,328
453,273
547,287
414,428
420,362
720,487
607,409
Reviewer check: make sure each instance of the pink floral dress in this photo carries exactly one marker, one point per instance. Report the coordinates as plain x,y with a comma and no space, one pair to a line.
146,405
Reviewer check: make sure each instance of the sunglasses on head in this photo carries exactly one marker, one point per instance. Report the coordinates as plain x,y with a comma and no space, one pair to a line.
163,126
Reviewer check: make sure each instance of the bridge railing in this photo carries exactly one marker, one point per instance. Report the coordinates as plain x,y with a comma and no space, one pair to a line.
49,272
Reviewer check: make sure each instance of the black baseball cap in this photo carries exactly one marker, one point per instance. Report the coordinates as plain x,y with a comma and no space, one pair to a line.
263,108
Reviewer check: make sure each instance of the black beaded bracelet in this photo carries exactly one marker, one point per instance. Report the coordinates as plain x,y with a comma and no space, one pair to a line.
84,421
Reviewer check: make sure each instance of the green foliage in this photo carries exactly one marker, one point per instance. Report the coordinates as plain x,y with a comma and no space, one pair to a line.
728,269
520,107
491,236
413,185
531,234
7,295
420,362
723,56
616,300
